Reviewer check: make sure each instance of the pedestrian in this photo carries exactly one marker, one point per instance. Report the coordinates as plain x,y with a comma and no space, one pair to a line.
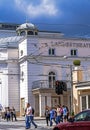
32,117
5,113
11,111
1,111
47,114
64,113
14,113
8,114
27,116
1,107
67,112
52,116
61,112
58,114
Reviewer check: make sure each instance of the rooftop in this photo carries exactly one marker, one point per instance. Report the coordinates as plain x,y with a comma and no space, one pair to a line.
26,26
10,41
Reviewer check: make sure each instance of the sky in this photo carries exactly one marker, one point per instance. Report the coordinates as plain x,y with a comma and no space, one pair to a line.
67,16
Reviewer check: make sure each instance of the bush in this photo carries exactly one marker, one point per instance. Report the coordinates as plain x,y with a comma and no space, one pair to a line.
76,62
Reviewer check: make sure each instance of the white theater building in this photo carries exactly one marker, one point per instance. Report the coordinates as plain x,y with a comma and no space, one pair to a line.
32,60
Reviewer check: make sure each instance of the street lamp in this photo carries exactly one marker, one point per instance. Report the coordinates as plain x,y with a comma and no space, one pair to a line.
71,84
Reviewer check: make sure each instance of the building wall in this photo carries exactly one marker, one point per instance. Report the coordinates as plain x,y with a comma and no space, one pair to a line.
7,33
35,63
66,44
13,86
81,88
10,78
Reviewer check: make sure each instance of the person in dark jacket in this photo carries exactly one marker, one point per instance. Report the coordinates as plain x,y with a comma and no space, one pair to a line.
47,114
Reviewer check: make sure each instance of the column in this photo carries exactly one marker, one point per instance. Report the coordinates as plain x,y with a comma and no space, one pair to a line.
41,105
49,100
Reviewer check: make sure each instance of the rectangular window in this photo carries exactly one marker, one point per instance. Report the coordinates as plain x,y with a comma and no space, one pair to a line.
51,51
84,102
74,52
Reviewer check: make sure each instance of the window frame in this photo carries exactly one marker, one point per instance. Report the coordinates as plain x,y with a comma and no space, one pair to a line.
73,52
86,102
51,79
51,51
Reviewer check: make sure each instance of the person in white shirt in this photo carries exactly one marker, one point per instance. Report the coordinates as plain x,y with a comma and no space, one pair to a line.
58,114
32,118
28,111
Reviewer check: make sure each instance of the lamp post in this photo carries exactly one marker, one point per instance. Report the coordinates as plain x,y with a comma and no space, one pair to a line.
71,84
71,75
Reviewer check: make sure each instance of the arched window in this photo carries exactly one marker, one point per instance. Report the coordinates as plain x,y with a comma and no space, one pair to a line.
36,33
21,52
22,33
30,33
51,79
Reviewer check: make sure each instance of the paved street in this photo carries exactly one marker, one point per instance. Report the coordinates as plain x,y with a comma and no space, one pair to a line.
20,125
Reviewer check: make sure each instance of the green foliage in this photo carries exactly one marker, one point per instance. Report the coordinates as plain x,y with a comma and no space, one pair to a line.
77,62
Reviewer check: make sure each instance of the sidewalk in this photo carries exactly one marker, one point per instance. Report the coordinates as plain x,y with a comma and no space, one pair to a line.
22,118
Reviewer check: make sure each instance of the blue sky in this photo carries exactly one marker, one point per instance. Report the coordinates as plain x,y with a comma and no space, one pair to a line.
70,16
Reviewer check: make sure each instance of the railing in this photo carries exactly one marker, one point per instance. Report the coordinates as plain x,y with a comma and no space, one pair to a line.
40,84
46,84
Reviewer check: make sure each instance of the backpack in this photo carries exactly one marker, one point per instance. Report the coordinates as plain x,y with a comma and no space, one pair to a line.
33,110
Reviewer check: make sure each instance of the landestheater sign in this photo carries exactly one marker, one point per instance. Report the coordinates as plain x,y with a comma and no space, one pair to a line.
70,44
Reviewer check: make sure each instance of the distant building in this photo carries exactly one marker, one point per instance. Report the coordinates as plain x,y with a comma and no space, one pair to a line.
30,63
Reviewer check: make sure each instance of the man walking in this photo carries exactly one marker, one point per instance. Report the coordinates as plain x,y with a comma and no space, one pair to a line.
32,117
27,116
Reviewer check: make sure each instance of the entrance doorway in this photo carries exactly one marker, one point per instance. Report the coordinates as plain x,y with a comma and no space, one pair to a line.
55,101
22,106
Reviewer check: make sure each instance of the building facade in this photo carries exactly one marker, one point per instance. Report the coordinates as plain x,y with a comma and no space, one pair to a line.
81,89
31,62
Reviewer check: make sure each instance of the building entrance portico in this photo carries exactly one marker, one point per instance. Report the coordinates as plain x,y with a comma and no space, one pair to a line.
46,97
42,98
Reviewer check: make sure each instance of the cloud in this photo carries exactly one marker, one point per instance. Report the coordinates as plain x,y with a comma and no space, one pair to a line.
44,7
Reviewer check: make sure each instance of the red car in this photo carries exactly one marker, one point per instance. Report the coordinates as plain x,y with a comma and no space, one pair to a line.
81,121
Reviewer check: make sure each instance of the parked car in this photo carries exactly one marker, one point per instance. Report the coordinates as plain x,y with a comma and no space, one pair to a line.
80,121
